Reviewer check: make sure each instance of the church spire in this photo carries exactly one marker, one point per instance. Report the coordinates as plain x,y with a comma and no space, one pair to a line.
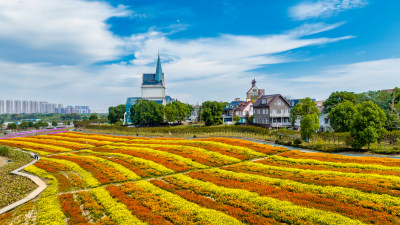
159,73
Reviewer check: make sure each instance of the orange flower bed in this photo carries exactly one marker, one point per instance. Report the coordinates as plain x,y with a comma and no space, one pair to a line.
163,160
266,149
102,172
342,159
347,207
327,167
371,185
71,209
234,211
65,183
159,206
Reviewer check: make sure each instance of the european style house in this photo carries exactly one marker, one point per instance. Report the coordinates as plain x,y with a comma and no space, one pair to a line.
272,111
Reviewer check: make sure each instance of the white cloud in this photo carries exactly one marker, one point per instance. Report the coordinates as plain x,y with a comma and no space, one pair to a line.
49,50
58,31
323,8
357,77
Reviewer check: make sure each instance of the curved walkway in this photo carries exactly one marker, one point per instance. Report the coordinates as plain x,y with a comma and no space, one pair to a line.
40,183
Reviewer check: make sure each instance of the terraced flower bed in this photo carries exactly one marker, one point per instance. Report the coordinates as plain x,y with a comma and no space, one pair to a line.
104,179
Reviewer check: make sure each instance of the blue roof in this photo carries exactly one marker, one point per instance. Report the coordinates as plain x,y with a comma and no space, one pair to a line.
232,105
159,74
149,79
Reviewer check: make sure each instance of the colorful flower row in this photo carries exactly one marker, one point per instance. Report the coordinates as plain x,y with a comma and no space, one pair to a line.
34,146
199,155
72,209
48,207
322,165
222,148
74,139
339,203
60,143
143,166
159,206
87,177
98,137
263,148
288,211
342,159
373,183
210,215
118,212
171,161
104,173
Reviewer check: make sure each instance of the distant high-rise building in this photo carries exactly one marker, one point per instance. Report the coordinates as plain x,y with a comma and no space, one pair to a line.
43,107
82,109
17,107
9,107
25,107
1,106
34,105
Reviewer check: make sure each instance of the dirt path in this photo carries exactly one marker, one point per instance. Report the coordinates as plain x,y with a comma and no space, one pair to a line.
3,161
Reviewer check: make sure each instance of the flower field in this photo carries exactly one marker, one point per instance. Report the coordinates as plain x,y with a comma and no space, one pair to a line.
105,179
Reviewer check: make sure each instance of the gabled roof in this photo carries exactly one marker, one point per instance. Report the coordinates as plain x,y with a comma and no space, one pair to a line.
270,99
242,105
232,105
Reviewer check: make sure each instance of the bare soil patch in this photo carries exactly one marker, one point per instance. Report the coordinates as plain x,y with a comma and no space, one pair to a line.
3,161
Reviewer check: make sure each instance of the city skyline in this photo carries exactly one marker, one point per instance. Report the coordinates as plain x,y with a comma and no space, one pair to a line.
33,106
96,51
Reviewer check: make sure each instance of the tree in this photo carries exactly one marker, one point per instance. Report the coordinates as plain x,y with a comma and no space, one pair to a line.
147,112
367,125
211,112
94,117
12,126
309,125
45,124
116,113
250,119
71,116
36,126
177,111
23,125
307,111
236,119
54,123
30,124
337,97
341,116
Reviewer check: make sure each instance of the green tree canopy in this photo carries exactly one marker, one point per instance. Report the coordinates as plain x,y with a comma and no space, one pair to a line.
12,126
341,116
147,112
71,116
30,124
177,111
236,119
23,125
337,97
54,123
307,111
94,117
211,112
367,125
116,113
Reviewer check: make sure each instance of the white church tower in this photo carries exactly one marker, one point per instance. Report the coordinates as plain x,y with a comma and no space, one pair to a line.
153,85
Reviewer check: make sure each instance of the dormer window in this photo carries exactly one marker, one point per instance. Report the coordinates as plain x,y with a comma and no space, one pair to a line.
264,101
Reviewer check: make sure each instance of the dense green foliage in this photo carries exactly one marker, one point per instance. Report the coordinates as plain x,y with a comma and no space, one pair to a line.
54,123
177,111
94,117
147,112
12,126
337,97
116,113
308,113
367,125
341,116
211,112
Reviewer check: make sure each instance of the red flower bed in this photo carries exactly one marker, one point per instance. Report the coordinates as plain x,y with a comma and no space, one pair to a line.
71,209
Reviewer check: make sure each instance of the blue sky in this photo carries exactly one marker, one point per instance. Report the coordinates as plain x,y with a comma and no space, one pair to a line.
83,52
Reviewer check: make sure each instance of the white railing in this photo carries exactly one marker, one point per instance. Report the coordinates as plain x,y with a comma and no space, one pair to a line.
284,124
280,115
